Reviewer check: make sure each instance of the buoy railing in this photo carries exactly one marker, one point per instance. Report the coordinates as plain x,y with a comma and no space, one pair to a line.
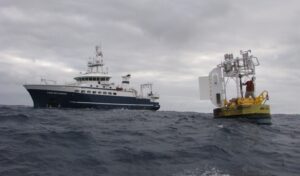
260,99
263,96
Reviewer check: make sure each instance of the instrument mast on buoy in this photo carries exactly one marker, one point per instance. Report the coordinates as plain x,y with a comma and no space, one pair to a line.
215,87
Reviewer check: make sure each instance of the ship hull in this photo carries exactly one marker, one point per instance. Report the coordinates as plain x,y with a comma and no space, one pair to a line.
43,98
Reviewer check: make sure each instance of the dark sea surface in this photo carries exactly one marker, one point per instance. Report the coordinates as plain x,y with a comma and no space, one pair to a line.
143,143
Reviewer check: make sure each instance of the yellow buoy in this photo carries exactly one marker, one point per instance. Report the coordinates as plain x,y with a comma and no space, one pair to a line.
214,87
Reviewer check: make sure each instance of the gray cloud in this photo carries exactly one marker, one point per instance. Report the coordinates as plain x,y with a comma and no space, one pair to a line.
168,42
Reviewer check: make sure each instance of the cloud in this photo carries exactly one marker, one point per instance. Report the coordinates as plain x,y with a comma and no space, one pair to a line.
167,42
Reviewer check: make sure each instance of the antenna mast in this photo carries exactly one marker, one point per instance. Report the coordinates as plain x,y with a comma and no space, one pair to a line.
96,62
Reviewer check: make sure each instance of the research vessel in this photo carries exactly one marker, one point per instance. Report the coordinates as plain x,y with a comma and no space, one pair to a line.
93,89
231,74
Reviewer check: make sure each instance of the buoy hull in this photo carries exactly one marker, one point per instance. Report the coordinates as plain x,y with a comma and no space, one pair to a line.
255,113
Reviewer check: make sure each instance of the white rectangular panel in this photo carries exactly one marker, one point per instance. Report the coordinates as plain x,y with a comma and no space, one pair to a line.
204,88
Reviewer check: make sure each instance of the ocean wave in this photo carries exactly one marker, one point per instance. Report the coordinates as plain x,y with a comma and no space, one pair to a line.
125,142
131,155
15,117
202,172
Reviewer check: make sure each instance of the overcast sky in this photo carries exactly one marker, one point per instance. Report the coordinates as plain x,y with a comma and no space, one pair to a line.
167,42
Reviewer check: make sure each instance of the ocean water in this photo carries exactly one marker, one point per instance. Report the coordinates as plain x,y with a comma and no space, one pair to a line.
143,143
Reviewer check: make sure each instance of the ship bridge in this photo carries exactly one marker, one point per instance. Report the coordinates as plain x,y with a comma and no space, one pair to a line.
93,77
95,71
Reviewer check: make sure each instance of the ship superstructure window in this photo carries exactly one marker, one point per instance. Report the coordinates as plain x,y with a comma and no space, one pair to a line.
104,79
99,92
104,93
109,93
115,93
77,91
83,91
88,91
94,92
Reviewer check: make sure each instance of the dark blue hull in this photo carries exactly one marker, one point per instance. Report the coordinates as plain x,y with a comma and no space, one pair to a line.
59,99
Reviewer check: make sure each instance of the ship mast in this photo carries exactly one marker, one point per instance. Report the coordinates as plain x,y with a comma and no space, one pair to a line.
96,64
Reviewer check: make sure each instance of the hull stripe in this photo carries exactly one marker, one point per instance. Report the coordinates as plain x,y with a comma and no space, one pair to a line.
114,104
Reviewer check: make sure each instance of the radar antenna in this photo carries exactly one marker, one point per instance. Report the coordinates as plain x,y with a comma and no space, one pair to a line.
99,51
